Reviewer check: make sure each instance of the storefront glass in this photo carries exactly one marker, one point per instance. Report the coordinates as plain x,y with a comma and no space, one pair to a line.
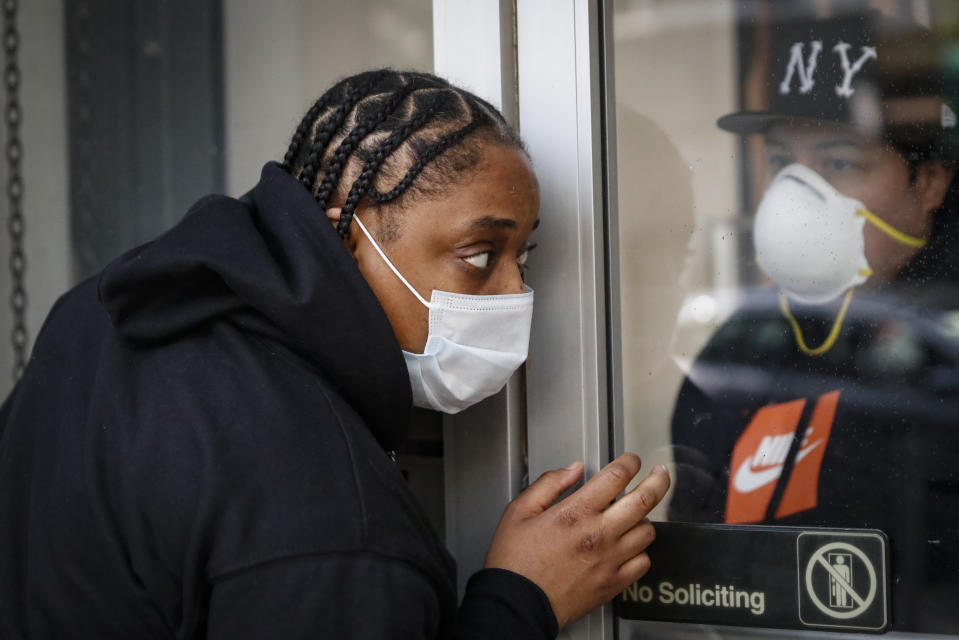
788,288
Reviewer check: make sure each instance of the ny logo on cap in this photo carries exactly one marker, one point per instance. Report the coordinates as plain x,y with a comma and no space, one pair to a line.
806,71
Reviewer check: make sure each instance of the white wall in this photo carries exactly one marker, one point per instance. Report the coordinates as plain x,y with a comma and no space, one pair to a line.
280,56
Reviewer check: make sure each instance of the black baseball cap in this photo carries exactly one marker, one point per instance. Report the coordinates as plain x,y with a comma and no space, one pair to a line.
865,70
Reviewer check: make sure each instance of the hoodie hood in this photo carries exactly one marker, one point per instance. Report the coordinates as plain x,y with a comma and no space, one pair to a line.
273,263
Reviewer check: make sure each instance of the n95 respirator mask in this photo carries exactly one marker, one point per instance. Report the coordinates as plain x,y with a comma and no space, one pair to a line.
809,241
809,238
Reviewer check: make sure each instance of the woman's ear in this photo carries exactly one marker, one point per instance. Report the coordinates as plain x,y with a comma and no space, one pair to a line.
932,181
333,215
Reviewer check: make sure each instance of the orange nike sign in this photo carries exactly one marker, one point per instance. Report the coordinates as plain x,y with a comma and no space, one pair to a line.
760,455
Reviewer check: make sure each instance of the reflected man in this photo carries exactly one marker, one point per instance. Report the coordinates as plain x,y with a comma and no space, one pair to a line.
831,398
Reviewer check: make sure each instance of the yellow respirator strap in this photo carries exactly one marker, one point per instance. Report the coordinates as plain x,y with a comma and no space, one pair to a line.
797,331
889,230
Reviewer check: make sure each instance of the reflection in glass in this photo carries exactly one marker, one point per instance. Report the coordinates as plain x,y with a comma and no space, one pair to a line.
814,378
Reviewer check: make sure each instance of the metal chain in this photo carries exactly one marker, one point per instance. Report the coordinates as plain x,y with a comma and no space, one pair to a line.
15,223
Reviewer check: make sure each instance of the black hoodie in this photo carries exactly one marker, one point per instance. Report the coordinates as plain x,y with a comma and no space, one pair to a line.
197,449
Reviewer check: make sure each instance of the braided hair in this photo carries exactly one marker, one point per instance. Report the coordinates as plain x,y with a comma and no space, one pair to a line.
382,137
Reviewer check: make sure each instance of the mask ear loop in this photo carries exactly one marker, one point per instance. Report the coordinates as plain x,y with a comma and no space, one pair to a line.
889,230
797,331
390,264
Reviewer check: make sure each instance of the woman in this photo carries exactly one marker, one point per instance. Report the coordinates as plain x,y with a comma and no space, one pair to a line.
199,446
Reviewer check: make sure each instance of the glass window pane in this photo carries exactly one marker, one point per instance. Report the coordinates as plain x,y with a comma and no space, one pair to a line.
788,281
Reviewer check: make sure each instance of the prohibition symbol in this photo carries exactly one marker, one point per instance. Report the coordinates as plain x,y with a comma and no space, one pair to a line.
845,597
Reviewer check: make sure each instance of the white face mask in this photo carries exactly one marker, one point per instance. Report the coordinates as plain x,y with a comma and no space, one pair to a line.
809,237
474,345
809,241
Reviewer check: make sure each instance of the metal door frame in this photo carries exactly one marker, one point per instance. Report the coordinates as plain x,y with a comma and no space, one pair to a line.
561,108
551,51
483,446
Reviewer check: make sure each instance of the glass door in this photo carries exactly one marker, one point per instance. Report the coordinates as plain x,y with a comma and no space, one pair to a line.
783,299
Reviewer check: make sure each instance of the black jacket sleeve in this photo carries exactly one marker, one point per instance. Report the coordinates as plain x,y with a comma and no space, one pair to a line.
365,595
503,604
335,596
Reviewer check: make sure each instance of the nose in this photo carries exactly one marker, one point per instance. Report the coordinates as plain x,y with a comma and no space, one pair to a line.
512,281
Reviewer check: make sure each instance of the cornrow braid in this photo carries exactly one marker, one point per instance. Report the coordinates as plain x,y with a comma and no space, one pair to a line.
364,183
411,130
321,139
305,125
336,163
428,155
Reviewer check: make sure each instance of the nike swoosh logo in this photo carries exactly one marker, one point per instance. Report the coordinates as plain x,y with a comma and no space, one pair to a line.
806,451
746,480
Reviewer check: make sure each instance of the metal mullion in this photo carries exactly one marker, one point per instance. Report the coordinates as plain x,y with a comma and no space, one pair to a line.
559,60
484,446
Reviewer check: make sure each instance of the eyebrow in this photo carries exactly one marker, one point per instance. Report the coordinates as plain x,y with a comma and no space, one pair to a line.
831,144
828,144
492,222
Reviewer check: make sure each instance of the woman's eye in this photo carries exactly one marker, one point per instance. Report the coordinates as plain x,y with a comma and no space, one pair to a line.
524,255
480,260
522,258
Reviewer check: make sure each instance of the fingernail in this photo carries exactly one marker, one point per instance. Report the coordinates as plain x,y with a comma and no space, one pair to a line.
572,465
663,468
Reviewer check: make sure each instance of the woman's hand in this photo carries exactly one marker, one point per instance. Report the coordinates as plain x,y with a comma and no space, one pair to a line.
583,551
